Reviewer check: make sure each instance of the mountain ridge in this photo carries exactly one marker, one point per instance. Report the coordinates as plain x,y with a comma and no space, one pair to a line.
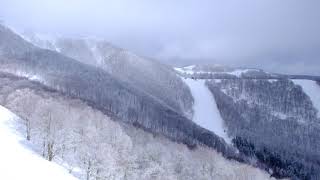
154,78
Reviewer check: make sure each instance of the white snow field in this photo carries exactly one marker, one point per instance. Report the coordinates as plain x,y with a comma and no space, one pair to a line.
312,90
17,162
206,113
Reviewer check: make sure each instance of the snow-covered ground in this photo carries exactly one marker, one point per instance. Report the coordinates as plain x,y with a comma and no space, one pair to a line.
17,162
312,90
206,113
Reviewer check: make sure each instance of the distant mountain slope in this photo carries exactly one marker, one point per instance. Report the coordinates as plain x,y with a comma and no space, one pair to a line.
274,121
154,78
273,118
17,159
219,71
225,72
107,93
11,45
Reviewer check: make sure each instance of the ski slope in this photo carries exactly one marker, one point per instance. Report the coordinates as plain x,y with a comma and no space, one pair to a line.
17,162
206,113
312,90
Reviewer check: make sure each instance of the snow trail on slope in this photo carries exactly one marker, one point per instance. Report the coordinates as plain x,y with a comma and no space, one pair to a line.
206,113
312,89
17,161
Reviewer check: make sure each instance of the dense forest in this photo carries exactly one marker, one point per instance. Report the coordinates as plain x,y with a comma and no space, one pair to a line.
273,121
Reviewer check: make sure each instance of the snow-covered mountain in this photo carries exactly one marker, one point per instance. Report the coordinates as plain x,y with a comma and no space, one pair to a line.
104,112
95,145
105,92
99,89
273,118
148,75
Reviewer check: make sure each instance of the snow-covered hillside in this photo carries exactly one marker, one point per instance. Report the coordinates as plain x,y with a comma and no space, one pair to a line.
215,69
278,113
312,90
129,119
152,77
206,112
115,150
17,161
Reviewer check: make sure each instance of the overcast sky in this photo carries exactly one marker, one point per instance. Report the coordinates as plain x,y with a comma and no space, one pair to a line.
276,35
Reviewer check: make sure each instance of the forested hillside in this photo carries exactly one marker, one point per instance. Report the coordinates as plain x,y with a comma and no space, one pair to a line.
274,121
117,100
92,145
146,74
106,93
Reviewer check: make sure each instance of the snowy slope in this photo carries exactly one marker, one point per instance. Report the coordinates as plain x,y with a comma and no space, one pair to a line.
17,162
312,90
206,113
150,76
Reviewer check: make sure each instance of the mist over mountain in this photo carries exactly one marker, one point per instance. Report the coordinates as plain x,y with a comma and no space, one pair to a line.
280,36
156,79
162,90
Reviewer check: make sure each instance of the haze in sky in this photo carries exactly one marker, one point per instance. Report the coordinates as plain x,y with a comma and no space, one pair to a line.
276,35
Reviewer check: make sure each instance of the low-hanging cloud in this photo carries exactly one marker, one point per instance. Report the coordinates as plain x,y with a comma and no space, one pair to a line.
278,35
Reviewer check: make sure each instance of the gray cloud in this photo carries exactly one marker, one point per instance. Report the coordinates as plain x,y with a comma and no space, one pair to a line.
277,35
